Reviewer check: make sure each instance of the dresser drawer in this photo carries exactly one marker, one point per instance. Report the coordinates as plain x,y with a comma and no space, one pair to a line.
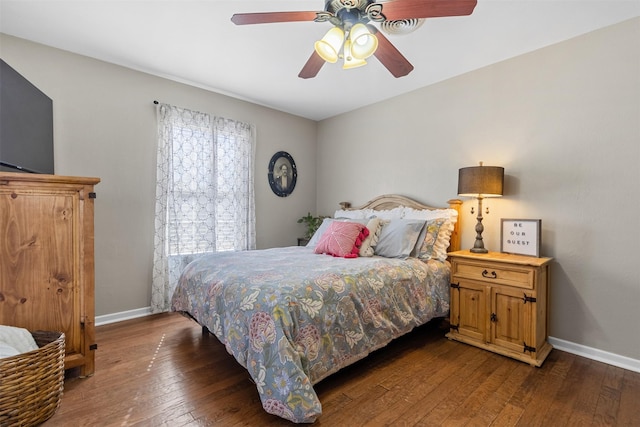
521,277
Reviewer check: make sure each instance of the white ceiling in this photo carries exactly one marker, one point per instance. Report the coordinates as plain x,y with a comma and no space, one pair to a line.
195,42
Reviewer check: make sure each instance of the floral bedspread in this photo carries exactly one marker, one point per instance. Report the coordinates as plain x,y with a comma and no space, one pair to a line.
292,317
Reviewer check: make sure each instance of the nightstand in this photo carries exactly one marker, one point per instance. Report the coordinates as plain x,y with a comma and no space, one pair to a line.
499,303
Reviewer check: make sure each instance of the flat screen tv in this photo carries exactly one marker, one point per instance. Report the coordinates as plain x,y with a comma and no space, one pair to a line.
26,125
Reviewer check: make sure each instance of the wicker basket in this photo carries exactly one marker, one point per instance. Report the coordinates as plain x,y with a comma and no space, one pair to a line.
31,383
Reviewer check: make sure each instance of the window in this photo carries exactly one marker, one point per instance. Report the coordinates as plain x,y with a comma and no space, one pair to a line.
192,221
204,192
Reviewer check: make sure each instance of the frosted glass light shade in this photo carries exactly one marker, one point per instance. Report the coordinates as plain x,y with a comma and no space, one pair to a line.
351,61
329,46
363,43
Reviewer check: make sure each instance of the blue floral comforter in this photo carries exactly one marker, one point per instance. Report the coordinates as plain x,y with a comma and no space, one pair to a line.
292,317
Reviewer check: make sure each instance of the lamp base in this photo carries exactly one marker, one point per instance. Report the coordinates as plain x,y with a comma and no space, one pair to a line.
478,250
478,245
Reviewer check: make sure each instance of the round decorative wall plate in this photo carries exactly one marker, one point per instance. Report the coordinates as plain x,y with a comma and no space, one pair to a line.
282,174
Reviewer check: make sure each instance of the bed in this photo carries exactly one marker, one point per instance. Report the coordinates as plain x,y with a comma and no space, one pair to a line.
292,316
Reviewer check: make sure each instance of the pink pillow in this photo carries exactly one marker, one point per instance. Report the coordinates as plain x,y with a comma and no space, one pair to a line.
340,239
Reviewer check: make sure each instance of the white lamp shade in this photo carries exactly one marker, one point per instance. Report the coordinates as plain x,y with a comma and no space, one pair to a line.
329,47
363,43
351,61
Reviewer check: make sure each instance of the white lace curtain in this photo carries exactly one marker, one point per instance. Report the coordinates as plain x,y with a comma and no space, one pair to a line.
204,193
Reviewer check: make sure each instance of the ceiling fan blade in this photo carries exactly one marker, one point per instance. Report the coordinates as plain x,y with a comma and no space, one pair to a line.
407,9
271,17
312,66
389,56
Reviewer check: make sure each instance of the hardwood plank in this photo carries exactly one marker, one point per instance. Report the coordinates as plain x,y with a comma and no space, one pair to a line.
424,391
565,398
609,398
403,384
411,363
508,416
538,397
497,400
466,388
404,353
467,411
162,371
629,411
587,395
526,392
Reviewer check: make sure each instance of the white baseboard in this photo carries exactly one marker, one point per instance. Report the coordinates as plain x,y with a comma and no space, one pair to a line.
123,315
595,354
557,343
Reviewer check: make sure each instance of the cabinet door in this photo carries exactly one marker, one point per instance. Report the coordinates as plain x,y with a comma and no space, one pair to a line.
511,318
39,261
469,309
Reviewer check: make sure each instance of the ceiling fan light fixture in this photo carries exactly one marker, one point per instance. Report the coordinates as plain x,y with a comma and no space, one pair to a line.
363,43
329,46
351,61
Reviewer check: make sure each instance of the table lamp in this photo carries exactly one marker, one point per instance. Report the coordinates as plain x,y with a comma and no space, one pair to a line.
480,182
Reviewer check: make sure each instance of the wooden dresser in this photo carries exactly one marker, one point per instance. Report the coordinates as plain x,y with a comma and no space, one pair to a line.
47,259
499,303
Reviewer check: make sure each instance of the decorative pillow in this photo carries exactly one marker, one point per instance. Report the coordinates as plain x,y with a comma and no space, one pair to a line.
319,232
341,239
398,238
374,226
442,242
313,242
429,214
425,248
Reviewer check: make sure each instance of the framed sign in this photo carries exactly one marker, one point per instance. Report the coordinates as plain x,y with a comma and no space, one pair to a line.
282,174
521,236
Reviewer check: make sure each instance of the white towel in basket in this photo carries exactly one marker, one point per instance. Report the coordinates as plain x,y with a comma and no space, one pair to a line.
15,341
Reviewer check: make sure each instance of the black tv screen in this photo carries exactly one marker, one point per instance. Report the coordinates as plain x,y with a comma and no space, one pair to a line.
26,125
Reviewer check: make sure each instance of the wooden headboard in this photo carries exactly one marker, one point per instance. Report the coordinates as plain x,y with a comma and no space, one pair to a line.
390,201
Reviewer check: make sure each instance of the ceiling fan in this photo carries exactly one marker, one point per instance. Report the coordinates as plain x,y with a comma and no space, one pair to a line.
353,38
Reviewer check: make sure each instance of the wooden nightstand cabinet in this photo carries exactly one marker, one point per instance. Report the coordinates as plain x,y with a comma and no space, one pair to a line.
499,303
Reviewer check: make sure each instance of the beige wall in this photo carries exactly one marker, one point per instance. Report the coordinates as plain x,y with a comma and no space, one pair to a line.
564,121
105,126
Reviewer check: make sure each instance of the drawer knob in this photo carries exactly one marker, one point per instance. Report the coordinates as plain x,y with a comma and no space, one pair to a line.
488,275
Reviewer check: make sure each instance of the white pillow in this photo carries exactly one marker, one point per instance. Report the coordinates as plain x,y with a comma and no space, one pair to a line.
410,213
352,214
398,237
395,213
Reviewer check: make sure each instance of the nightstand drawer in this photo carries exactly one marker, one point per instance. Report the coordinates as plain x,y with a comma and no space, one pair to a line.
486,272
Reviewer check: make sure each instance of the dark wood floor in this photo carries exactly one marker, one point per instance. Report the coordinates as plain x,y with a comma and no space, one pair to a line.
161,371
